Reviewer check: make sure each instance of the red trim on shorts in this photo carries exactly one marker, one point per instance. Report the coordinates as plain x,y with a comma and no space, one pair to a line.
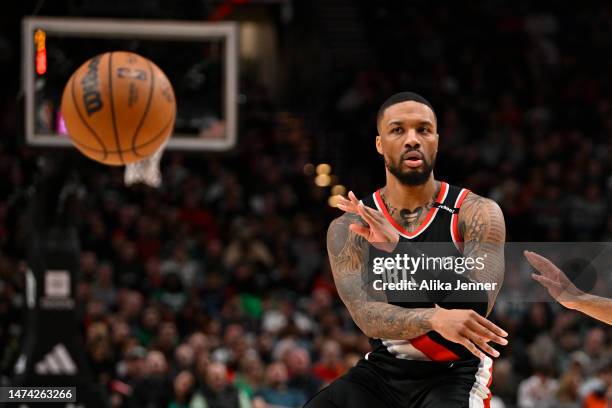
430,214
433,350
487,401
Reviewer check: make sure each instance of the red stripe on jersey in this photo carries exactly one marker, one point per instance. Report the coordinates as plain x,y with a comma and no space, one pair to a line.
433,350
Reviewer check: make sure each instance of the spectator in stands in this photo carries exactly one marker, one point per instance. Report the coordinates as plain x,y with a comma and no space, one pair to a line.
184,357
595,345
149,325
250,377
300,372
100,352
539,390
277,393
130,306
172,293
155,388
120,337
330,365
199,343
166,340
567,393
103,288
183,388
187,269
217,392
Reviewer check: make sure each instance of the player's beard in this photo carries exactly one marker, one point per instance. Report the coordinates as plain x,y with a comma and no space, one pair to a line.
411,177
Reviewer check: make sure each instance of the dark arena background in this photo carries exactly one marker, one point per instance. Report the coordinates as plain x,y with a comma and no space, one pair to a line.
214,290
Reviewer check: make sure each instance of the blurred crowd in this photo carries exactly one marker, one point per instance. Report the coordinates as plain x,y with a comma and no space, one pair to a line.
215,291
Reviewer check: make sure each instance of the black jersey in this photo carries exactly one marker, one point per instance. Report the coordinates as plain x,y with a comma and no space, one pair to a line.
439,226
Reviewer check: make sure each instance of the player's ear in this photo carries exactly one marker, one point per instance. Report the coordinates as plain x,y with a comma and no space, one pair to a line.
437,139
379,144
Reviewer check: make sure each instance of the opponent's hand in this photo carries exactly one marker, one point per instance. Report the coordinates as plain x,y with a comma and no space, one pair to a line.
554,280
468,328
379,232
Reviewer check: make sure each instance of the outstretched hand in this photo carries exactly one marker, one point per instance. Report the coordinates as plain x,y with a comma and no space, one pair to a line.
553,279
377,230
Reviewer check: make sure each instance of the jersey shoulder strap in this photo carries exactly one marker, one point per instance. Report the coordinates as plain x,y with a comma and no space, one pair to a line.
452,204
452,200
369,201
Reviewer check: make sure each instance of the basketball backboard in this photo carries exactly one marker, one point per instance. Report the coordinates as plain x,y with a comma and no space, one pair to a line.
200,60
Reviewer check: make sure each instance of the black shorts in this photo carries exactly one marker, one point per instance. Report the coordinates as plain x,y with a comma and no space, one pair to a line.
426,385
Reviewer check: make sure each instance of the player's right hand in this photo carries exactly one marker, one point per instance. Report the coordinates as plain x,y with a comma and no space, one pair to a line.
468,328
378,231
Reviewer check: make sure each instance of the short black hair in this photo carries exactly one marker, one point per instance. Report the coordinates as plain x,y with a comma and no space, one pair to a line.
403,97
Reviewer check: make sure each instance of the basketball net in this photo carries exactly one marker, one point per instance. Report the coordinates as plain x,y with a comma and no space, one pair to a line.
146,171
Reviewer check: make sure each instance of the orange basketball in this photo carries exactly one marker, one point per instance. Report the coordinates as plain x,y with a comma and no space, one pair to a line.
118,108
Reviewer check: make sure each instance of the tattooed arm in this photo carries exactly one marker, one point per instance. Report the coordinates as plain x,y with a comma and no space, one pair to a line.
368,308
482,226
347,247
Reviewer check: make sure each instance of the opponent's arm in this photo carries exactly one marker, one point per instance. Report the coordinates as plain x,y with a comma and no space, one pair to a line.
565,292
481,223
347,248
597,307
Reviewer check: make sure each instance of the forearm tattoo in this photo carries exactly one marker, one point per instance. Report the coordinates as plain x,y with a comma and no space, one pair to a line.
482,226
369,309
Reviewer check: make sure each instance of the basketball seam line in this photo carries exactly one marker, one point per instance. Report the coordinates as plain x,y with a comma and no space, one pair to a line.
112,103
161,132
148,142
146,112
84,121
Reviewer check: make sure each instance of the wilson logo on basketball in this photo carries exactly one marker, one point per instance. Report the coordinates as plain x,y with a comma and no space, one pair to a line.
91,89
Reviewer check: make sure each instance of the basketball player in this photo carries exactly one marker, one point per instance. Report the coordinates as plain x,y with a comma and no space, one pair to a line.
428,353
564,291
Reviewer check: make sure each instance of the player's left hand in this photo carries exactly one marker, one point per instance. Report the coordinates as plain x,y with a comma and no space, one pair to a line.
554,280
378,231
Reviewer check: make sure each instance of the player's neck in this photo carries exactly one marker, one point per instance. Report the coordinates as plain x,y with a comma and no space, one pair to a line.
403,196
